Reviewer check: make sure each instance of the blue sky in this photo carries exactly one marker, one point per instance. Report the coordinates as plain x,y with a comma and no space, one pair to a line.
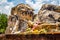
6,5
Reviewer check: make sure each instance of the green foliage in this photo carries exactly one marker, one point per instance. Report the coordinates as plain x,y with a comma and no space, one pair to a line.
3,22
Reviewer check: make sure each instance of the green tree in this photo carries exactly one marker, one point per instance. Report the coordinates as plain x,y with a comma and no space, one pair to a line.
3,22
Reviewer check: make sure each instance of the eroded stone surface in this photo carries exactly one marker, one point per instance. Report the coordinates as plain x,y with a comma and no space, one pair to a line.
49,16
20,16
50,7
17,21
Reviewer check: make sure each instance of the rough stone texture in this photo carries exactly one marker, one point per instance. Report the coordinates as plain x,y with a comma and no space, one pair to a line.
17,21
49,13
23,10
50,7
22,13
15,24
49,16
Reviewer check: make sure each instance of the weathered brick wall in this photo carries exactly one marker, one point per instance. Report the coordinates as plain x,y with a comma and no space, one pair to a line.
30,37
2,36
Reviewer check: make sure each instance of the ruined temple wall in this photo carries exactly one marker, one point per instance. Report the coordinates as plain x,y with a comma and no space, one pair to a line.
49,10
19,13
50,7
24,11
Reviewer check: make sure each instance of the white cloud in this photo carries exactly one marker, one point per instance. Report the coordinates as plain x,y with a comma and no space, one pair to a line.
0,10
6,7
2,1
38,3
55,2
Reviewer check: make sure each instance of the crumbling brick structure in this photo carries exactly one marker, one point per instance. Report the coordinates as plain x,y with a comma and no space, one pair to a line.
48,16
51,12
17,21
23,10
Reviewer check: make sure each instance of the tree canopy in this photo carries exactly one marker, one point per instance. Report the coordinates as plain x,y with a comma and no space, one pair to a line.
3,22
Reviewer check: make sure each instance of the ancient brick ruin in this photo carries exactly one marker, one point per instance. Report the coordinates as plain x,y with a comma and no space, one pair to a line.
19,17
22,16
